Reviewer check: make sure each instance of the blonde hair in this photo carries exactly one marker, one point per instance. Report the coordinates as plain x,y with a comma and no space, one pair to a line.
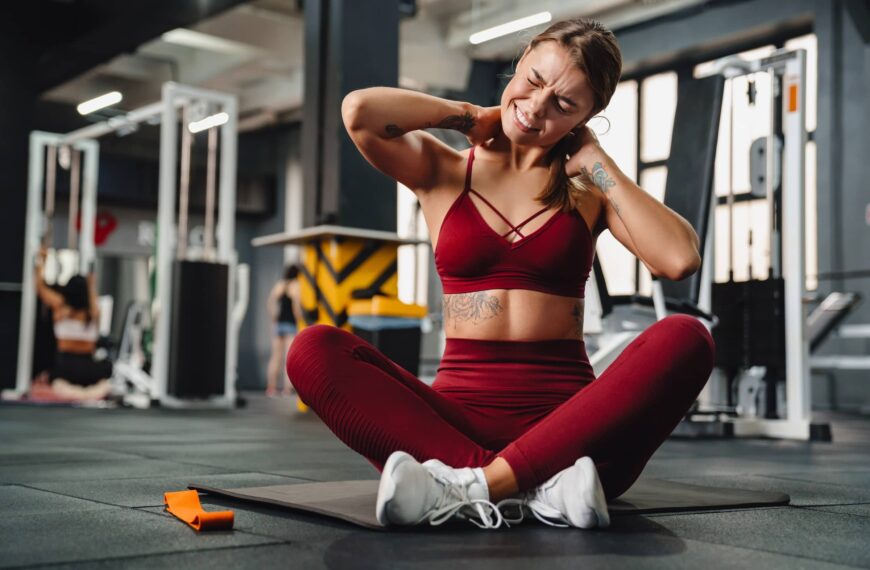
594,50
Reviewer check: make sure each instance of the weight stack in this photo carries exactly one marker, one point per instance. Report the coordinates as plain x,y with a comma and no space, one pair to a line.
198,330
765,319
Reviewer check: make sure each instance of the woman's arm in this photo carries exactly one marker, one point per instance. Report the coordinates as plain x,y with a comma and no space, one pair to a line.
272,308
662,239
45,293
92,296
385,124
296,299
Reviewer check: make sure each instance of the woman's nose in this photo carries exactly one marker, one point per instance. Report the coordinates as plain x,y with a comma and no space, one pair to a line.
537,105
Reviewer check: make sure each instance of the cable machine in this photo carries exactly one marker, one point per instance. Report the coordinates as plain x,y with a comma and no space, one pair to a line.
763,322
199,301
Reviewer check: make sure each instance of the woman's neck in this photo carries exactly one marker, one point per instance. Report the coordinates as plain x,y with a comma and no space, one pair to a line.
522,158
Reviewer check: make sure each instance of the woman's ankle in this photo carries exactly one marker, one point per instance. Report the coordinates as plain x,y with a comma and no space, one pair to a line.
500,479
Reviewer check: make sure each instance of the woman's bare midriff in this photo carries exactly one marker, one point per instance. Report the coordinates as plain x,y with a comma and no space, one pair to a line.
512,314
76,346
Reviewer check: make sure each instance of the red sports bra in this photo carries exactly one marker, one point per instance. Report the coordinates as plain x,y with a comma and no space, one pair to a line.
471,256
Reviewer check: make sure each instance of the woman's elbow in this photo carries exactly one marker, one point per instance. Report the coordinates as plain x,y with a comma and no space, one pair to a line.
351,109
682,267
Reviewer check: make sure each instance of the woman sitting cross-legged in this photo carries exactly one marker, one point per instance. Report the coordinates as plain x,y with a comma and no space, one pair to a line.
515,420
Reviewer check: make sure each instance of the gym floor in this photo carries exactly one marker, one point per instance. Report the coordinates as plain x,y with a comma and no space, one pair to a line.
83,488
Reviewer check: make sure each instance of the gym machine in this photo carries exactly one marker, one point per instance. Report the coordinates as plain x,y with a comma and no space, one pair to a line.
79,255
201,296
761,327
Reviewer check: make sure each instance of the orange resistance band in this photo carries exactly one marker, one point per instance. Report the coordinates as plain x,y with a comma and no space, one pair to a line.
185,505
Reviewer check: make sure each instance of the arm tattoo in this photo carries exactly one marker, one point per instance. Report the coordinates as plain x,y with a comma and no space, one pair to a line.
461,123
604,182
393,131
577,314
475,307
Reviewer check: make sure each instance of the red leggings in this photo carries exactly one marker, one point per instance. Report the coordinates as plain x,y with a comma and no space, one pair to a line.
536,404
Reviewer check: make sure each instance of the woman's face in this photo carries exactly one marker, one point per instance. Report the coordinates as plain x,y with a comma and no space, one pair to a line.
546,98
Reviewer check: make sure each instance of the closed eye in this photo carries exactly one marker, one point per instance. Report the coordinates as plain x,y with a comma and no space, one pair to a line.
556,102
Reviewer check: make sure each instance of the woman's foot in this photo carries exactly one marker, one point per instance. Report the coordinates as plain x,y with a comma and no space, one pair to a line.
572,497
412,493
271,392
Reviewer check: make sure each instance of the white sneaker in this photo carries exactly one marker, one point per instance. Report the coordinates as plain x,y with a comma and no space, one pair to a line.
571,497
410,493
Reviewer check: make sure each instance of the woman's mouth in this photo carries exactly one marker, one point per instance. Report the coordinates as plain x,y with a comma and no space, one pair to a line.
522,122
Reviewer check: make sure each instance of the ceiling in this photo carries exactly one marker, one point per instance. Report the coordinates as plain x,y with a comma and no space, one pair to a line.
255,50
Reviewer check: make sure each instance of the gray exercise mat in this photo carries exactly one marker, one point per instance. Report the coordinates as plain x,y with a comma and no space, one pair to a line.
354,501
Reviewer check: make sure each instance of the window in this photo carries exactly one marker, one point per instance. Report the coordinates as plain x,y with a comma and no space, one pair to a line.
620,143
410,223
656,95
658,105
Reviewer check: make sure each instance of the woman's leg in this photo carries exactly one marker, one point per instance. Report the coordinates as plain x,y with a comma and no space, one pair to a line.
288,384
67,390
621,418
274,365
376,407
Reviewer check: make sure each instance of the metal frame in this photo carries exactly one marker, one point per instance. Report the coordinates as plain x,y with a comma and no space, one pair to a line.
173,97
34,227
791,64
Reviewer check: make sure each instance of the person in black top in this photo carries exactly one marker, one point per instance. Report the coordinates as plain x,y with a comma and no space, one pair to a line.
285,312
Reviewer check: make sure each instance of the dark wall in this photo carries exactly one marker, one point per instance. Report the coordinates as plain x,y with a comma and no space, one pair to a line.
273,149
17,96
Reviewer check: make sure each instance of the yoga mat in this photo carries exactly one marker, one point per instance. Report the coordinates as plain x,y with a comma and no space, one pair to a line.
354,501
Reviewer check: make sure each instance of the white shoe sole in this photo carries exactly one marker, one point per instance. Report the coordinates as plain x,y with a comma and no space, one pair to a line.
387,485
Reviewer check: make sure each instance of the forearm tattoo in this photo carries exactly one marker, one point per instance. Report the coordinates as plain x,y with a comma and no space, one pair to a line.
462,123
474,307
393,131
603,180
577,314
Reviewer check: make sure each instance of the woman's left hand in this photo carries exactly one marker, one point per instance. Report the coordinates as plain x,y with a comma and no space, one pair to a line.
582,150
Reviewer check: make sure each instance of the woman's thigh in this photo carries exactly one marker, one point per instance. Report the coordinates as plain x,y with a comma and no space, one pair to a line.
374,405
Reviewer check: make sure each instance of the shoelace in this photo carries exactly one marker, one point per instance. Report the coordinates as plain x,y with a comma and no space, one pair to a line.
454,498
538,508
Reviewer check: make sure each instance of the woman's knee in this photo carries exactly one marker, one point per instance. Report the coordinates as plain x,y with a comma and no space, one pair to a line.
685,325
314,352
691,335
318,338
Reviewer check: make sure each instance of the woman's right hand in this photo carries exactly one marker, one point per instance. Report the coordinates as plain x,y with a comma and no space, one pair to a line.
487,122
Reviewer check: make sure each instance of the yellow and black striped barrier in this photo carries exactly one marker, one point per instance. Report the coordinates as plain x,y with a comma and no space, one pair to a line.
341,265
336,270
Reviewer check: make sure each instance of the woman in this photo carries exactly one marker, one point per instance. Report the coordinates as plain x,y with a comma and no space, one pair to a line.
515,415
75,312
283,306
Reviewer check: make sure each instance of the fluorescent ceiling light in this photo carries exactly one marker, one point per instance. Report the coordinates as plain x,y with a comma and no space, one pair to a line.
510,27
209,122
100,102
208,42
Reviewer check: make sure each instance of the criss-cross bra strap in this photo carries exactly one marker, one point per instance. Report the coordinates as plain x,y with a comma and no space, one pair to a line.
494,209
468,188
527,220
